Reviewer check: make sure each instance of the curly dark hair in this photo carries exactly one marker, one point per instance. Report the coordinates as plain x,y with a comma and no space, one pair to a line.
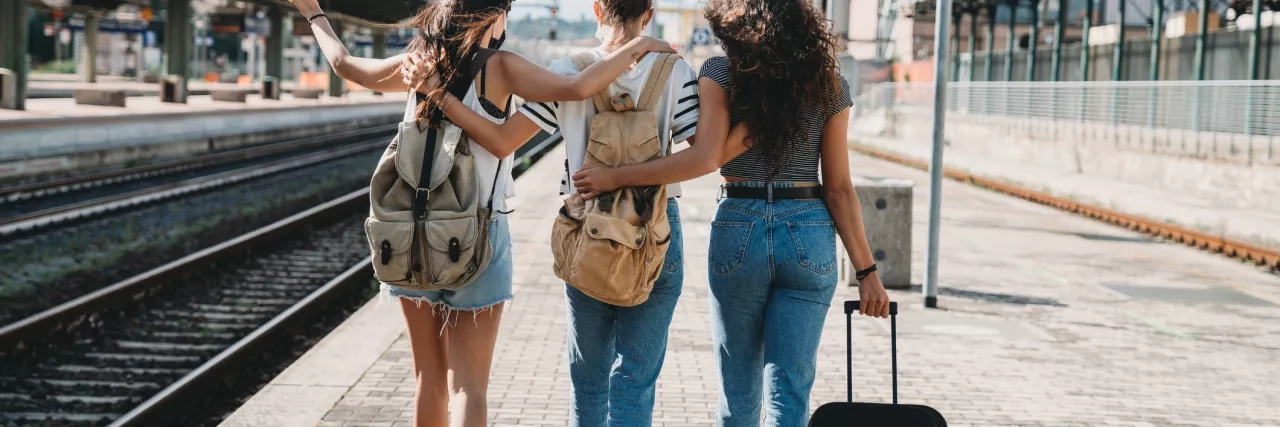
781,58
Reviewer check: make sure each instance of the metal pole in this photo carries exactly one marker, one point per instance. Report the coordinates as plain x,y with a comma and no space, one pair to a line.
1117,66
991,42
177,46
955,43
1059,31
379,47
1202,35
1012,41
1084,40
973,45
1033,41
935,166
90,72
1157,33
1255,40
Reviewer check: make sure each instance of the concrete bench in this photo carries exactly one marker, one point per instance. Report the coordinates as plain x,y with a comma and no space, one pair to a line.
104,97
307,93
230,95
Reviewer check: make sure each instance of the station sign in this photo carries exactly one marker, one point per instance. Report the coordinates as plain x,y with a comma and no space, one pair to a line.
110,25
256,26
227,23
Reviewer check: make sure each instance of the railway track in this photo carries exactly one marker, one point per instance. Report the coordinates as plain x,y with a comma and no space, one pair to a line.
1204,241
147,349
30,207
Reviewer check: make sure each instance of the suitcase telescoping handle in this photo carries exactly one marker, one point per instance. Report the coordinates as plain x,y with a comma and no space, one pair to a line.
851,307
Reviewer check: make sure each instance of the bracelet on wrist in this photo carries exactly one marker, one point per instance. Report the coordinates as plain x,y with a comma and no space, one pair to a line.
863,273
312,19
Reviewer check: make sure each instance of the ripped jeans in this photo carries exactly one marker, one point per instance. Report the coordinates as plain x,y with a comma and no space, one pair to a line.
491,288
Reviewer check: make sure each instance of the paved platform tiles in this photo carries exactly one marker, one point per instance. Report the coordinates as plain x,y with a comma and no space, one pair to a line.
1046,319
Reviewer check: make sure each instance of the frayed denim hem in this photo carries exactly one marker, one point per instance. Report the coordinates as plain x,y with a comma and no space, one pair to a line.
439,307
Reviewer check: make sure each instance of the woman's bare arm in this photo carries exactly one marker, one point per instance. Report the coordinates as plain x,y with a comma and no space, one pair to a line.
537,84
842,200
498,139
382,75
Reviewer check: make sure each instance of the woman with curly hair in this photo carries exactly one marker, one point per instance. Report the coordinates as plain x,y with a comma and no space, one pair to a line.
772,260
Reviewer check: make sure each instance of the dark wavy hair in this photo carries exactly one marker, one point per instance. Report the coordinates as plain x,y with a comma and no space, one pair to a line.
781,59
450,32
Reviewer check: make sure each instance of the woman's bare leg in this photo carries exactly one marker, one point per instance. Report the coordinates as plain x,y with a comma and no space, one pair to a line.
470,352
430,363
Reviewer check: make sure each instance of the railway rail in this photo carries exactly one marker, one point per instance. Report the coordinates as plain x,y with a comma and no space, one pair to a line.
144,350
33,206
1208,242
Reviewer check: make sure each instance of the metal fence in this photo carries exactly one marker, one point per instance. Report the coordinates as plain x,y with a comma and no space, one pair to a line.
1223,120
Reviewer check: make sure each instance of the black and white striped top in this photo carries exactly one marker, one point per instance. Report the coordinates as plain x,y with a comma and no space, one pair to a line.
801,163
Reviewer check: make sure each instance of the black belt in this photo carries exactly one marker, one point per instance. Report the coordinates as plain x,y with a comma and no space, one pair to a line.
735,192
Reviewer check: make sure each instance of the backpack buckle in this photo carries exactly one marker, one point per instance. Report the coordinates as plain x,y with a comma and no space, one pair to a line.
420,197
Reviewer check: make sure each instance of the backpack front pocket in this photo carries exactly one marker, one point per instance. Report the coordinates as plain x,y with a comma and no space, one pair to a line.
450,250
390,244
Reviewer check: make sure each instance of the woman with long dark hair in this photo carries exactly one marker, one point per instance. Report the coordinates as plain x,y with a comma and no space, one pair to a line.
451,359
787,196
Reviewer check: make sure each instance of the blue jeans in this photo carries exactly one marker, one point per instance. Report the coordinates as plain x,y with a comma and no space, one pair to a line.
615,353
772,268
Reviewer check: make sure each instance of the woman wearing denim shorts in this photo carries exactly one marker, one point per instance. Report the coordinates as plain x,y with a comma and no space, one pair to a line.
772,257
452,333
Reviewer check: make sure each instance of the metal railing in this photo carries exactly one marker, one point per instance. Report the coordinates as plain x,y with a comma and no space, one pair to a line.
1236,121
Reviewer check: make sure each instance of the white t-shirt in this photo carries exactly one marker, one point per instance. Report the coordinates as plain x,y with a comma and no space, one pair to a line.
677,110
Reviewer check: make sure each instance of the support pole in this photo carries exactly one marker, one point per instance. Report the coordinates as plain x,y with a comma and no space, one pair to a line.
1255,40
1033,40
955,43
335,82
177,46
935,166
1012,41
991,42
1157,36
89,74
1084,40
973,45
379,47
275,43
1202,36
1117,62
1255,48
13,50
1059,31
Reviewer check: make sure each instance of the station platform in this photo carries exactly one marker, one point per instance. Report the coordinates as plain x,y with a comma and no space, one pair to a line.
57,134
65,85
1045,319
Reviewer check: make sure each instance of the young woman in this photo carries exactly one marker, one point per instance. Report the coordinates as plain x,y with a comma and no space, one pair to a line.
451,360
772,260
615,353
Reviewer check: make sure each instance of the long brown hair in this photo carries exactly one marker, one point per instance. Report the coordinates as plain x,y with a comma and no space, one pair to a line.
450,32
781,58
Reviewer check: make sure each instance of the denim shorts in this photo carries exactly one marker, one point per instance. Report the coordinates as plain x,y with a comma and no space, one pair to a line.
491,288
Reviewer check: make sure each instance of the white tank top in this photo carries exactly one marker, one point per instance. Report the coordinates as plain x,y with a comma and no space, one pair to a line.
486,162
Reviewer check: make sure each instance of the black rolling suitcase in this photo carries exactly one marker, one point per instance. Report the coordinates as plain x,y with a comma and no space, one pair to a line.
850,413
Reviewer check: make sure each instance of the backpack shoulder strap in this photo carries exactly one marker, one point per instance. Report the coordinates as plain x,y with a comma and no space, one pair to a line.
657,82
600,99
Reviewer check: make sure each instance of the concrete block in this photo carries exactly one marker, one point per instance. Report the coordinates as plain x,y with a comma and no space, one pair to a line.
104,97
307,93
8,89
230,95
886,216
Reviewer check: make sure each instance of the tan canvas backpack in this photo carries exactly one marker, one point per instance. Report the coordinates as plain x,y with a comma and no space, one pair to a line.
427,228
612,247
